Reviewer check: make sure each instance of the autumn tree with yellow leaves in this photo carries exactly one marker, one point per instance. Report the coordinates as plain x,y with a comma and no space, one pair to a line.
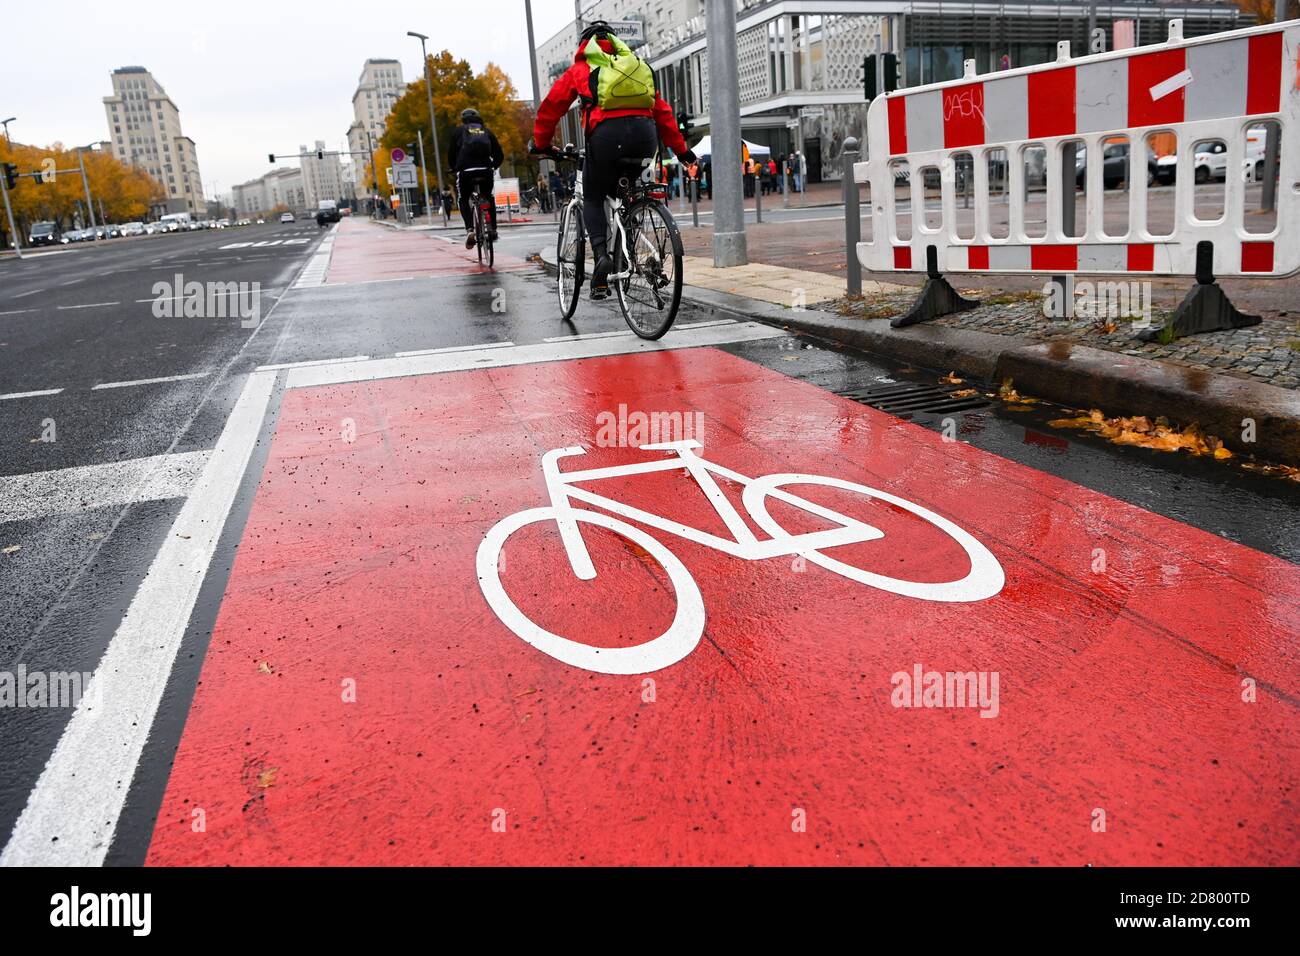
455,87
125,192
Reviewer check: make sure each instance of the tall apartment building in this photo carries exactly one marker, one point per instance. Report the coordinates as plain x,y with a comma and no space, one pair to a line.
145,131
321,178
378,88
280,187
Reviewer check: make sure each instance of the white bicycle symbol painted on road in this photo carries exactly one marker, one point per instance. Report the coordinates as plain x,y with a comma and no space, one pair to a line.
984,579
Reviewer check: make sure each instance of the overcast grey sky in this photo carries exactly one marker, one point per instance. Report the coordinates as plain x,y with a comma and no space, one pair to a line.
248,77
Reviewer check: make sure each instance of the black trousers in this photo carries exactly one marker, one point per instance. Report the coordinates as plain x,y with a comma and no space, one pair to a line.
620,138
465,183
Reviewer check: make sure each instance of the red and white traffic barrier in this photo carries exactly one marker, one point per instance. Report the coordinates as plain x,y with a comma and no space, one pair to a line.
1210,88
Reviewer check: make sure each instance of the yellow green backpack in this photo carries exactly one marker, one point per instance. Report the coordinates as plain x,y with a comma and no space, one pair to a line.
621,80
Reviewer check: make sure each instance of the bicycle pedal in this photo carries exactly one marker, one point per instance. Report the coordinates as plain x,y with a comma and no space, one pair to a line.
599,292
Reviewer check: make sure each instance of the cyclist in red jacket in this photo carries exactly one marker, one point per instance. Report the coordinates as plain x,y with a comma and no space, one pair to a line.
612,135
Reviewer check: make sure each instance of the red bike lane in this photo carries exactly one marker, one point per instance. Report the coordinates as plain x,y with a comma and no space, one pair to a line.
361,703
365,252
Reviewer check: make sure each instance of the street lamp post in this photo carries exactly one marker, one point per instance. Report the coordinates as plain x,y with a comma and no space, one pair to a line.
5,124
433,123
419,139
85,182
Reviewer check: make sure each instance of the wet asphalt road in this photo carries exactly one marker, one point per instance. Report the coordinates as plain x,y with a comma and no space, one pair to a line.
74,320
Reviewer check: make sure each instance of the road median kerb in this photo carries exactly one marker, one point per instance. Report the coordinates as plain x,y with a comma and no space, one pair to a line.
1062,372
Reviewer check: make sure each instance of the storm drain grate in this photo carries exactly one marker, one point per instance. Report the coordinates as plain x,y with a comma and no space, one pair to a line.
904,398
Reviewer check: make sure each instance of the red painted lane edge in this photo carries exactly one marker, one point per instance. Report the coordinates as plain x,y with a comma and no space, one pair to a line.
360,703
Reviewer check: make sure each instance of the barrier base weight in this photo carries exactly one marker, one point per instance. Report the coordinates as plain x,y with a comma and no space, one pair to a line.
937,298
1206,308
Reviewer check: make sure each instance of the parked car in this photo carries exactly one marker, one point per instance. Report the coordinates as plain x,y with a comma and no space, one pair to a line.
261,221
287,217
1114,166
133,229
44,234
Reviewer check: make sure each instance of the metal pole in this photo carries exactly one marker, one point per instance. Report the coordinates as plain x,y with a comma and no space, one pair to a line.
374,175
695,202
433,122
1069,153
419,140
758,196
785,181
729,243
852,219
90,206
13,230
1268,197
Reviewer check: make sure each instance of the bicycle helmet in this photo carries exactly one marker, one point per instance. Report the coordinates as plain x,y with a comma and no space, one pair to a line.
599,28
470,115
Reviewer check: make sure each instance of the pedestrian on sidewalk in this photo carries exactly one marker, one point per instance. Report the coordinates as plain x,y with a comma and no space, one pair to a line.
800,171
544,193
706,178
448,198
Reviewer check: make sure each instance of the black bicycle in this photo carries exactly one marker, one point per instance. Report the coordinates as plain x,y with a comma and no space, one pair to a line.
647,248
483,241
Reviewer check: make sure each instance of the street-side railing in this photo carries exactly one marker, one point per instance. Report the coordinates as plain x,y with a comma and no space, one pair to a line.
998,129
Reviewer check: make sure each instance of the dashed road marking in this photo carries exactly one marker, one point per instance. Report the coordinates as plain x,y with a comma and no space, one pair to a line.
36,394
152,381
86,305
23,295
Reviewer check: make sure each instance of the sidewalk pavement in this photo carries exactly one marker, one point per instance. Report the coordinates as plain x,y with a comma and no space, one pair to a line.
778,285
1249,415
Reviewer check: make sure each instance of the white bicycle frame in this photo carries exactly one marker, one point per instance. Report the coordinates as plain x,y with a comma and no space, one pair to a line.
613,220
984,579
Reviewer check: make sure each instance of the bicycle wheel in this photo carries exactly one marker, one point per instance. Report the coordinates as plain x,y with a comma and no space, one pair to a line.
681,637
569,249
651,292
478,232
984,579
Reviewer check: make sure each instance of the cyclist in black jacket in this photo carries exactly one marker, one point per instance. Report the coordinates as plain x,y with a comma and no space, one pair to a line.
474,154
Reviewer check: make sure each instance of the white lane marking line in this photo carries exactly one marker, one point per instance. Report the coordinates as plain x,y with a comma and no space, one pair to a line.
457,348
152,381
69,490
710,323
23,295
344,372
273,368
70,282
17,311
313,275
46,391
87,305
72,812
1171,85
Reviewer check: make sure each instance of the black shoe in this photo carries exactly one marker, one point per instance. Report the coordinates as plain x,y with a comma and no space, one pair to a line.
469,240
599,277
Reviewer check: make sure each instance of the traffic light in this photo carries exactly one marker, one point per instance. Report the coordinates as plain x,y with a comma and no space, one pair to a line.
11,175
683,122
270,158
320,154
891,72
869,77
